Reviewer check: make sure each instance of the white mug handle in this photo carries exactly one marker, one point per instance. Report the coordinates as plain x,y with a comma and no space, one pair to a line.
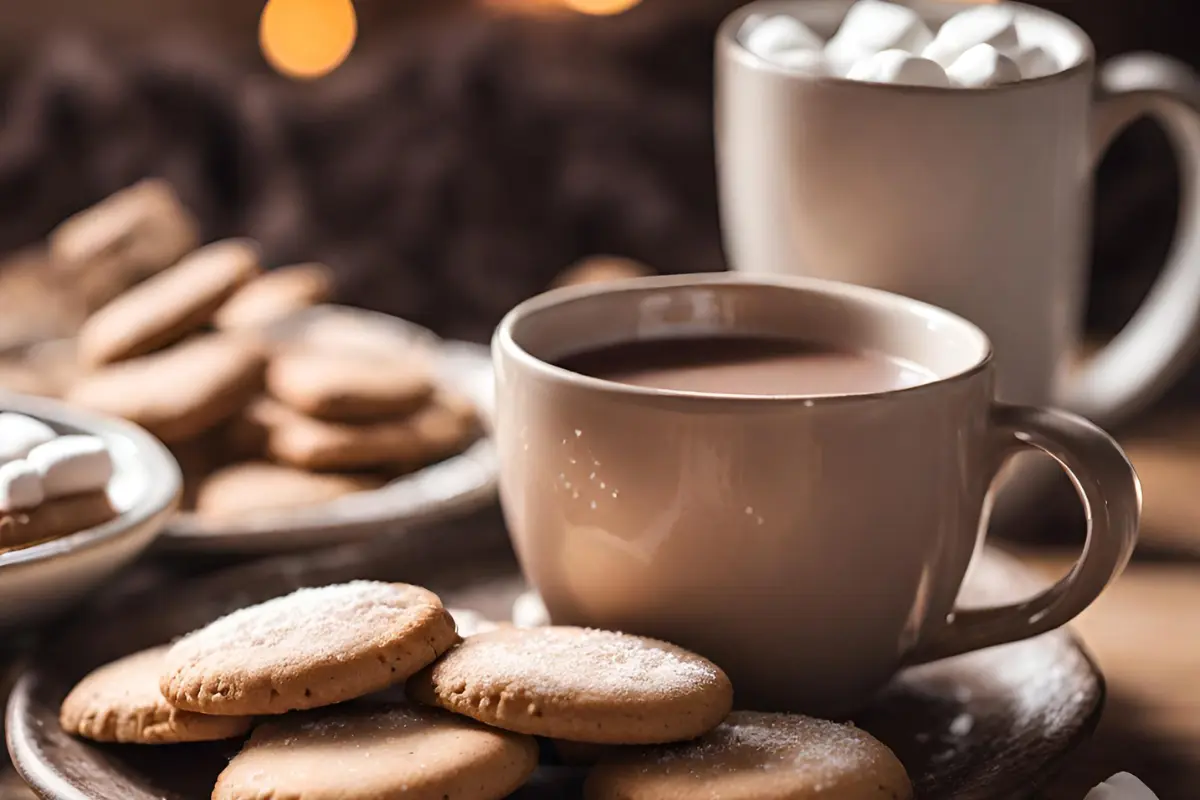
1163,337
1112,499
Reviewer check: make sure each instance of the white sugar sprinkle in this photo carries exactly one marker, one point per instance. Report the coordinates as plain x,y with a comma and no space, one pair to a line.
767,742
554,660
320,622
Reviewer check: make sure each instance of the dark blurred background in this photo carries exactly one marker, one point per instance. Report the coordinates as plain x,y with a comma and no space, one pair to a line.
466,152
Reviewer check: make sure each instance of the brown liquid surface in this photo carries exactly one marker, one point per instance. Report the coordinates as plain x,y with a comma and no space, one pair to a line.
746,366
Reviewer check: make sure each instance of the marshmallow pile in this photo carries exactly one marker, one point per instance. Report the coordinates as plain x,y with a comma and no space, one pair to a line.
884,42
36,464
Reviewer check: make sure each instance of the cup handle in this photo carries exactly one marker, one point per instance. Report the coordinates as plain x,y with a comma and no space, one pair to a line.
1112,498
1163,337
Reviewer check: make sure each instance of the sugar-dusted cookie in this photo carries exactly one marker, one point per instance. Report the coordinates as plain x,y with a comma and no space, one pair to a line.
342,387
275,295
756,756
312,648
179,393
578,684
434,432
120,702
54,519
374,753
170,305
257,486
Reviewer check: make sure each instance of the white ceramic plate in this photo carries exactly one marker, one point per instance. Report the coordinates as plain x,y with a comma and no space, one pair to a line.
40,581
455,486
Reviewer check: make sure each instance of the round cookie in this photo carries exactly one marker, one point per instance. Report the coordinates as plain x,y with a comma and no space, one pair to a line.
179,393
120,702
346,388
167,307
275,295
578,684
436,431
373,753
312,648
257,486
757,756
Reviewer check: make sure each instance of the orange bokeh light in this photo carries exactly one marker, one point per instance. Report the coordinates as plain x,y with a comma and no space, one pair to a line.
307,38
600,7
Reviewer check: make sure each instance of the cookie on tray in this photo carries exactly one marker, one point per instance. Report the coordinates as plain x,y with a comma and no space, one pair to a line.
758,756
258,486
434,432
167,307
179,393
342,387
275,295
578,684
312,648
371,753
120,702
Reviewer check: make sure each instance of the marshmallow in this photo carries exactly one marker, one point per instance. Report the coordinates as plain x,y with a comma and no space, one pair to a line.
871,26
72,465
897,66
1036,62
983,65
19,434
987,24
20,486
1121,786
529,611
772,35
811,62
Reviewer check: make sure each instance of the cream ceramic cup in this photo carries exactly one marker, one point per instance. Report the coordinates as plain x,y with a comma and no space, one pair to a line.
976,200
811,546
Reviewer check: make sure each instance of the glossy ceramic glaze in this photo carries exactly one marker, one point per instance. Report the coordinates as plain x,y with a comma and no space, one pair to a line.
811,546
975,200
40,581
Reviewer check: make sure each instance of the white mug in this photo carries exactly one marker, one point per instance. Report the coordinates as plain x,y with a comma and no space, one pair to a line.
811,546
976,200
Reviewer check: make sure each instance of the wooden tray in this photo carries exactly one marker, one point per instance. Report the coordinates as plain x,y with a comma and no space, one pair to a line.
986,726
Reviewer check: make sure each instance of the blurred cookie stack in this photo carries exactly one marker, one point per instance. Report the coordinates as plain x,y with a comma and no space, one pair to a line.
180,339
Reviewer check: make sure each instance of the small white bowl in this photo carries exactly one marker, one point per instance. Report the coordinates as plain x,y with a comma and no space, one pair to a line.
45,579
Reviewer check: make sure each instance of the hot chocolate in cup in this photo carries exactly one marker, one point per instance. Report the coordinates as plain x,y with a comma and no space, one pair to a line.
787,475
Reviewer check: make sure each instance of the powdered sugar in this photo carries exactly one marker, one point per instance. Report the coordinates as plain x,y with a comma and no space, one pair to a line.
587,662
318,623
763,741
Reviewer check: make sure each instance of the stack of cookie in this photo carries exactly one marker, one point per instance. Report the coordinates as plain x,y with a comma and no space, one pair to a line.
260,425
307,673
